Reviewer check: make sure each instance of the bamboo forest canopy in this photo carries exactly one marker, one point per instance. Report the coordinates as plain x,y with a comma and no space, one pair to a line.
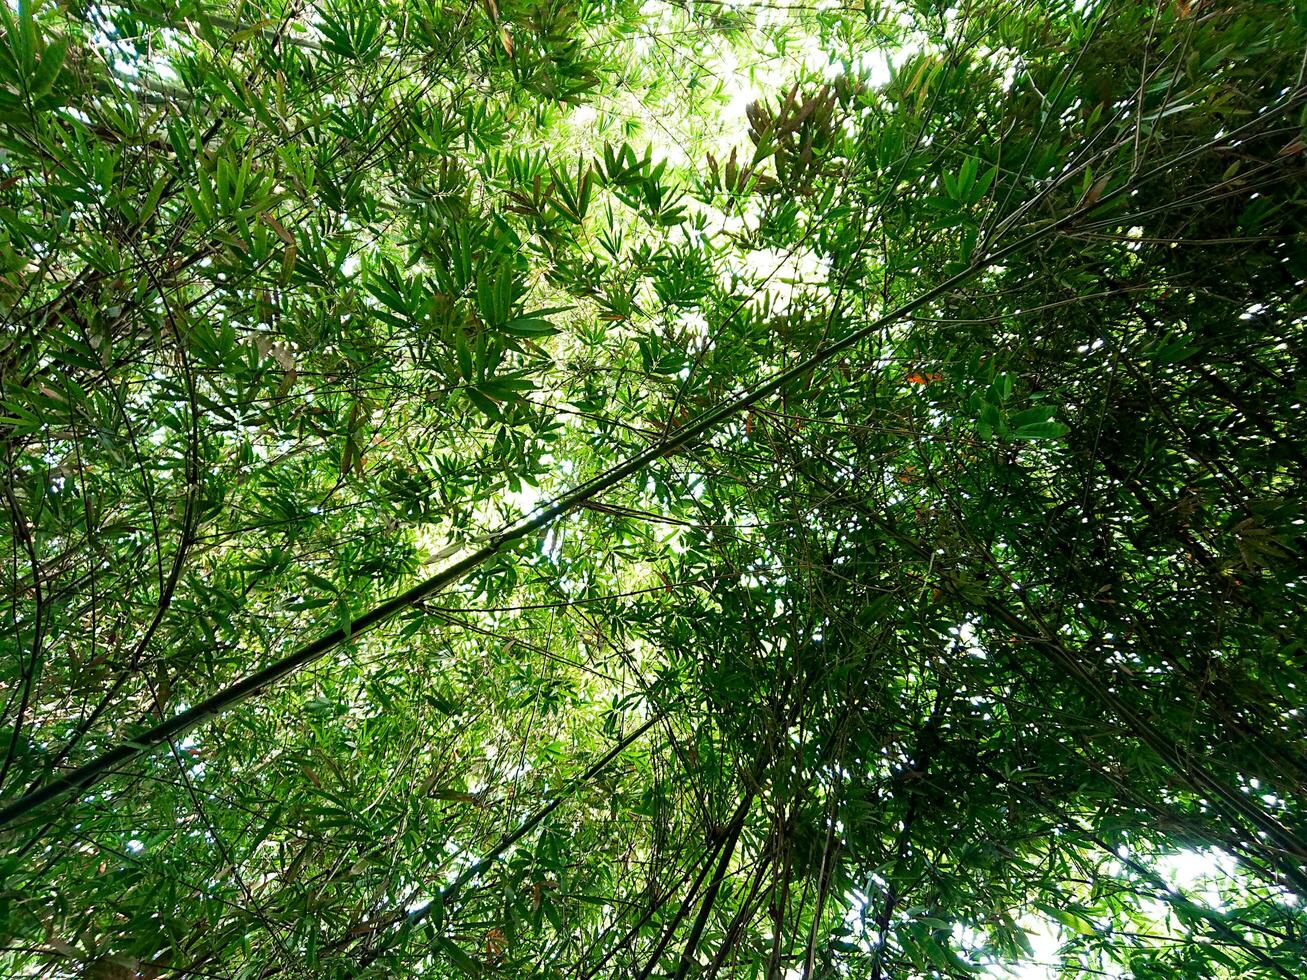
677,488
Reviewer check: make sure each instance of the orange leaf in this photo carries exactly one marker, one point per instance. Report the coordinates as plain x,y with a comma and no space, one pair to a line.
495,944
279,229
1094,193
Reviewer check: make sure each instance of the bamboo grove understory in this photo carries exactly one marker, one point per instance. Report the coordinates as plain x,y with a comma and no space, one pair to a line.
676,489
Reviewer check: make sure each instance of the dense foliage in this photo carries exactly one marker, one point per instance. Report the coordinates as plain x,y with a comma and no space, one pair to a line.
585,488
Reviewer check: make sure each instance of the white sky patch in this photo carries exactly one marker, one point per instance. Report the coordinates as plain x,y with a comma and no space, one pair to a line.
584,116
1043,964
784,273
525,499
1200,875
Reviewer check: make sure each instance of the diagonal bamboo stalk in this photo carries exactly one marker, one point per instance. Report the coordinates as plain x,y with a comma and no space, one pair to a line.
248,686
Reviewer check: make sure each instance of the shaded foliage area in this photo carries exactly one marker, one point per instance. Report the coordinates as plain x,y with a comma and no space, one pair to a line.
917,390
